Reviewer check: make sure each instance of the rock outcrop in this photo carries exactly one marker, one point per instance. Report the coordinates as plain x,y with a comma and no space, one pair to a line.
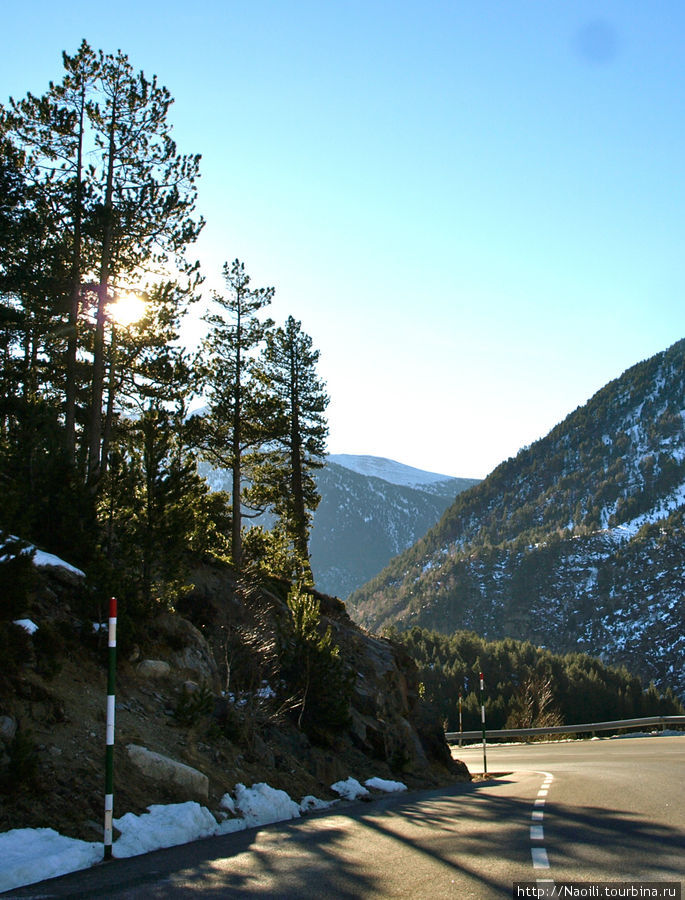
189,781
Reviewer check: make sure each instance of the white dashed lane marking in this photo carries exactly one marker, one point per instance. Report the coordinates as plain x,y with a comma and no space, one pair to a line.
537,834
540,860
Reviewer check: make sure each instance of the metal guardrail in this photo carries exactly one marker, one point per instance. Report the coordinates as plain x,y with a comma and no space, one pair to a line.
453,737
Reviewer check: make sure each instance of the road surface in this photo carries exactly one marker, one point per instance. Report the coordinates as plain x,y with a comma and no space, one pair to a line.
609,810
614,808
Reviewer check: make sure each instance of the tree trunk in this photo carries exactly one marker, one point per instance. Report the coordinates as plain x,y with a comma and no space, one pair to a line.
236,535
72,341
95,463
300,535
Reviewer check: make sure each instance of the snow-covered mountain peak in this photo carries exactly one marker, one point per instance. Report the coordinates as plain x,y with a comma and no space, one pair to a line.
387,469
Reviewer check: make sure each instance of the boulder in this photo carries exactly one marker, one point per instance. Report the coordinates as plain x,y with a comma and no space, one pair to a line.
153,668
191,652
190,781
8,728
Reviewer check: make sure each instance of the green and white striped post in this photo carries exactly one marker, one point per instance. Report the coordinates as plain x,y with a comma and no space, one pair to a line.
482,717
109,752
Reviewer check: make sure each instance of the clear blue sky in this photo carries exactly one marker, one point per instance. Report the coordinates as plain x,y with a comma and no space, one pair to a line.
475,208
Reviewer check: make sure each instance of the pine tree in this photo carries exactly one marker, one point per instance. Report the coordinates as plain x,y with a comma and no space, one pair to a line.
115,201
235,422
298,432
146,197
312,667
53,131
33,277
155,509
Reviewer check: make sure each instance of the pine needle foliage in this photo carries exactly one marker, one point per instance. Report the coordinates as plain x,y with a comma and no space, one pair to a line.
313,669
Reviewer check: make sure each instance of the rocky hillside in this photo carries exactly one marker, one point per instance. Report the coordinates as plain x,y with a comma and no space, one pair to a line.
578,543
202,702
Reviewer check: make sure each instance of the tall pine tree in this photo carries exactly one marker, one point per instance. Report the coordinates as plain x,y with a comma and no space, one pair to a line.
298,431
146,197
110,184
235,422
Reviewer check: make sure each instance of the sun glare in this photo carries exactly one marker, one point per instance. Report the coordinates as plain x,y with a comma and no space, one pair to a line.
127,309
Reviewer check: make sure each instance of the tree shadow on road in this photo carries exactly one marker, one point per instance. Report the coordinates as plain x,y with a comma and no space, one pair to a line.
366,850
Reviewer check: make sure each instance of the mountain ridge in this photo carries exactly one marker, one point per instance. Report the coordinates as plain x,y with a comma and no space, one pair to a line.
570,543
364,520
387,469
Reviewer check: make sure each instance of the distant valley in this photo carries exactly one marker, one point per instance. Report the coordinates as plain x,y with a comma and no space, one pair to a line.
371,509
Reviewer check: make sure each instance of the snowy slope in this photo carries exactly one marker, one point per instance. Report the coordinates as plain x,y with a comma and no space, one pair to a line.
387,469
578,543
364,520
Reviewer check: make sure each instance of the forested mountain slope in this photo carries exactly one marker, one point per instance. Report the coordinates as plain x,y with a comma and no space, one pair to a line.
363,520
371,509
575,544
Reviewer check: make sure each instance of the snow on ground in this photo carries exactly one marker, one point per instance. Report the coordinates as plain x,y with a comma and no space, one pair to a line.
311,803
41,558
27,625
667,732
380,784
350,789
28,855
662,510
162,826
262,805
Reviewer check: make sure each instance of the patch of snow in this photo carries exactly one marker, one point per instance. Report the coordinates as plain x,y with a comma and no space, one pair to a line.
48,559
263,805
641,734
162,826
227,802
311,803
380,784
230,826
350,789
662,510
41,558
28,855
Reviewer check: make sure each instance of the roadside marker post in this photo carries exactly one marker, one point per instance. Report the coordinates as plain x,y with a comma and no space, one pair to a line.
109,752
482,716
461,724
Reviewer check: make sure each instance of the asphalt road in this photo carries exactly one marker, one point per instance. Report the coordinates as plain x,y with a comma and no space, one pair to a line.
615,808
601,810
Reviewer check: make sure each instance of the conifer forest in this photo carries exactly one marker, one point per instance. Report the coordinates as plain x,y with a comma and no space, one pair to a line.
104,414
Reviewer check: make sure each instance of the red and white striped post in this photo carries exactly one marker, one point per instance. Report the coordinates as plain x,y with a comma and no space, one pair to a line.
482,717
109,753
